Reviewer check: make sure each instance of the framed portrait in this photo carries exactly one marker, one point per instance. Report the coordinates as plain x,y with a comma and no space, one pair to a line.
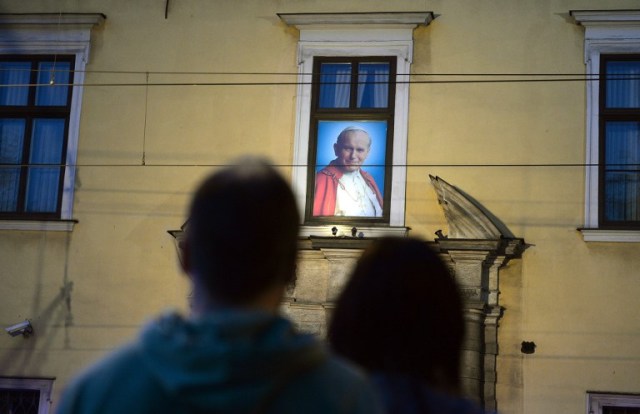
349,175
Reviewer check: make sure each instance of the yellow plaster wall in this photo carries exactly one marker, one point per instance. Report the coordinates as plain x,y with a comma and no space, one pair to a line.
577,301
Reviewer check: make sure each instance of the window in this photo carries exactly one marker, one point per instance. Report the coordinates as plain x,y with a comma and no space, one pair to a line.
351,135
34,123
350,60
612,58
25,395
612,403
40,119
620,140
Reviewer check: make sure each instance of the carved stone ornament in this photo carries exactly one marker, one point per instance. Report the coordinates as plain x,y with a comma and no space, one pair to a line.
477,247
467,219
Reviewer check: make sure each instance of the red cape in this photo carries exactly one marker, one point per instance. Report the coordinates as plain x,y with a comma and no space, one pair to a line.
324,202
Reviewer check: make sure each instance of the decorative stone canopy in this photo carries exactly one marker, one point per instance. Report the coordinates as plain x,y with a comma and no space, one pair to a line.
467,219
477,247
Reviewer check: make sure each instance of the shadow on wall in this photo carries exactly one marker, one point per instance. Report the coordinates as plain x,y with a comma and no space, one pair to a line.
26,355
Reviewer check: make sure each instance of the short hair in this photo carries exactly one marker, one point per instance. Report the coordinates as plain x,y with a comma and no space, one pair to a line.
401,313
351,129
242,231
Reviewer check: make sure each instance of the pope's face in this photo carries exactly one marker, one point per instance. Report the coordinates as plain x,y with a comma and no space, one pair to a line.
352,151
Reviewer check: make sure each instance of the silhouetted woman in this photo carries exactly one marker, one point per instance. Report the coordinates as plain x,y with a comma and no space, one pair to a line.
400,318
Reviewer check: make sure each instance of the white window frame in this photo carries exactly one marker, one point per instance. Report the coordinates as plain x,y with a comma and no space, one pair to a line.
597,400
44,385
355,35
606,32
47,34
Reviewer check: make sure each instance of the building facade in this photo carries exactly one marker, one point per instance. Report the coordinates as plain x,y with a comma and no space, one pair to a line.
506,134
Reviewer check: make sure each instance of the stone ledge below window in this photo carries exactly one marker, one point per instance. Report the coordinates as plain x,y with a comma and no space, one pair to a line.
345,230
616,236
38,225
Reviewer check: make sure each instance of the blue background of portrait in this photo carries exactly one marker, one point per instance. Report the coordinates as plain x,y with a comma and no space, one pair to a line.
328,132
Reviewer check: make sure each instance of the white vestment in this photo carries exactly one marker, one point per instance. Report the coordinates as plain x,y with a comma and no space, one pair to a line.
355,198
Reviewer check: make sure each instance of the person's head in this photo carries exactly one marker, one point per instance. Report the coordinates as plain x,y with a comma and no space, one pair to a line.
241,238
401,313
352,148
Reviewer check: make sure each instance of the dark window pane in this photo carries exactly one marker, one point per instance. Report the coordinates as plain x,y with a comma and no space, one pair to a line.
335,85
11,74
622,171
373,85
52,93
620,410
33,122
623,84
17,401
11,144
46,148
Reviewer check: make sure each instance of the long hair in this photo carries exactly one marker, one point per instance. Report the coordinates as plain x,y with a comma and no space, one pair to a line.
401,313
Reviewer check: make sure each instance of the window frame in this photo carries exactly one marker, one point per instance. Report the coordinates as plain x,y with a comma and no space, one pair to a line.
53,34
44,385
29,113
596,401
606,115
353,35
606,32
352,113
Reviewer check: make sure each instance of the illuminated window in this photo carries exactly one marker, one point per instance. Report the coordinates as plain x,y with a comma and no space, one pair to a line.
351,133
371,47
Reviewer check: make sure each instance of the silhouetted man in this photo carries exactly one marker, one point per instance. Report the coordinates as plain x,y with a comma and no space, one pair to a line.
234,354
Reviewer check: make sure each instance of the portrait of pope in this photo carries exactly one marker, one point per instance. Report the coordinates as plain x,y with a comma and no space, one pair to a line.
344,187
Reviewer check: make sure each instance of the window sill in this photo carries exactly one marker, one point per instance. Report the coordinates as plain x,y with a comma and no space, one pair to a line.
615,236
38,225
342,230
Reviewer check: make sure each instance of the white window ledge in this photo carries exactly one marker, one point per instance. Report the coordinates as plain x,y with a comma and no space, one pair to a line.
619,236
345,230
44,225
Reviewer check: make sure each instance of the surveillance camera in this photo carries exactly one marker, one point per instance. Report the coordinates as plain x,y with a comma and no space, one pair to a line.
23,328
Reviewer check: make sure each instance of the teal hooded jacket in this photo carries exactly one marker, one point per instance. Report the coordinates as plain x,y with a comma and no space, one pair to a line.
230,361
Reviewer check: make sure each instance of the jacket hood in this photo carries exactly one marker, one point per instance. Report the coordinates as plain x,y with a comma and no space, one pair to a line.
228,359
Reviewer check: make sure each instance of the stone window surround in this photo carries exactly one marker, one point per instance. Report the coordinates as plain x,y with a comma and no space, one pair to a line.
53,33
355,34
44,385
597,400
606,32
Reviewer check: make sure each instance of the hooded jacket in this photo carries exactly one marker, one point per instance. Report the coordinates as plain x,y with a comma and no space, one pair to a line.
231,361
